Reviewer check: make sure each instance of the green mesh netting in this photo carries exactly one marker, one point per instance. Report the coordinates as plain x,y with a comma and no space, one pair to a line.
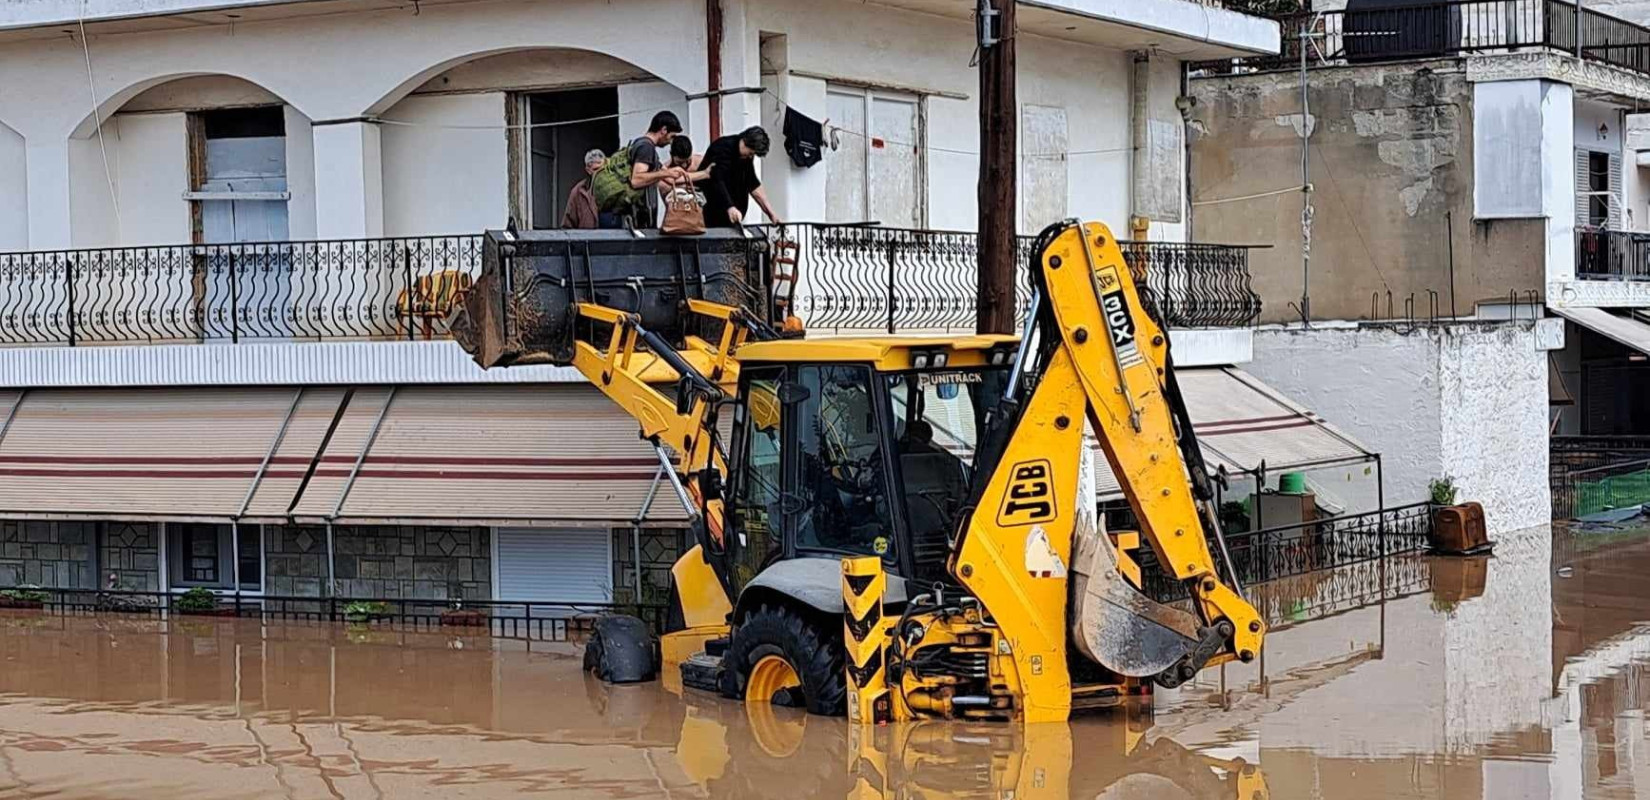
1617,491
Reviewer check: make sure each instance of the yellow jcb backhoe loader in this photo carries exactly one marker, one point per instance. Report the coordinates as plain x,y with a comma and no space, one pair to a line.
894,528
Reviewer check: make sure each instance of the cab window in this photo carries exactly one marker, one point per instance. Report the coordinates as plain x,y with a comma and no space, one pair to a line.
841,476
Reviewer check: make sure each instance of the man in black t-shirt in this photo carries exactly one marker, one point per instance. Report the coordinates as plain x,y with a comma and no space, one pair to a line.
733,183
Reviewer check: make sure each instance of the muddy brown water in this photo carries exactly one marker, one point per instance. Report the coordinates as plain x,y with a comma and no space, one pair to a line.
1524,675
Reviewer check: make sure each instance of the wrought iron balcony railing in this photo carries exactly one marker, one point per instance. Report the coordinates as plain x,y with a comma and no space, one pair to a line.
1452,28
851,279
275,291
862,278
1612,255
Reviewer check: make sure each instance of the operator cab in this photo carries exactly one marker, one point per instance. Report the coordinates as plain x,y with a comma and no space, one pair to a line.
857,447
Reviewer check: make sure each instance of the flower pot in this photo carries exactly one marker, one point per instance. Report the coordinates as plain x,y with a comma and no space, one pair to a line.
464,618
207,612
1460,530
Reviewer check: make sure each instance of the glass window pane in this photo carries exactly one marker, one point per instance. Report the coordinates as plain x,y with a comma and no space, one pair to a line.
841,477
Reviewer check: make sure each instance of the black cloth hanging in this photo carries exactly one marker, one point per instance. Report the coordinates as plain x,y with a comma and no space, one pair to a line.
804,138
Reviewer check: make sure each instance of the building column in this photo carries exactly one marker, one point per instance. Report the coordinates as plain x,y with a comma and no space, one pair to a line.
349,180
46,165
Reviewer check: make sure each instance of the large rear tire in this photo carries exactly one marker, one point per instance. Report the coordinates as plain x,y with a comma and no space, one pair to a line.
782,654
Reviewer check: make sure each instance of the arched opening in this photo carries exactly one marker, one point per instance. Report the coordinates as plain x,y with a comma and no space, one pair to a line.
501,136
198,159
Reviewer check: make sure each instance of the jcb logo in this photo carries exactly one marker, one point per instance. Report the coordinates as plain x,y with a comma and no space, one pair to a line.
1030,496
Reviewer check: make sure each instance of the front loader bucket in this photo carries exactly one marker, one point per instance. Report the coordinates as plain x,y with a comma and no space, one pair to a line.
1116,626
521,309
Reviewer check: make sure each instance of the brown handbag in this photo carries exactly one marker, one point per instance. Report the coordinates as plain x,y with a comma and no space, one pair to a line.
684,213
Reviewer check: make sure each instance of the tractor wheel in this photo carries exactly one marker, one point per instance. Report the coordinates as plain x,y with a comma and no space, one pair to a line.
778,656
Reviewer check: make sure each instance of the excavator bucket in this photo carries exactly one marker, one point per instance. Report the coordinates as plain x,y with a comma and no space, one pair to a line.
1114,625
521,309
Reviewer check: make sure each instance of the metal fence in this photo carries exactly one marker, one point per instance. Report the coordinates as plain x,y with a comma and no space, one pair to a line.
863,278
275,291
1458,27
1295,549
1612,255
536,621
1588,474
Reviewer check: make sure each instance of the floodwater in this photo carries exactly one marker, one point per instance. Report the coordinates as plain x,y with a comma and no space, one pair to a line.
1524,675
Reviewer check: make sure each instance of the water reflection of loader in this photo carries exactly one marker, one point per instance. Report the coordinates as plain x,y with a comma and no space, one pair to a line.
759,751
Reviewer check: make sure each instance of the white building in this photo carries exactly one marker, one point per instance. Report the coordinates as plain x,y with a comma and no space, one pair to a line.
181,408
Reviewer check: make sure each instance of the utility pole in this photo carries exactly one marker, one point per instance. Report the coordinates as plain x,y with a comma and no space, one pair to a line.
998,213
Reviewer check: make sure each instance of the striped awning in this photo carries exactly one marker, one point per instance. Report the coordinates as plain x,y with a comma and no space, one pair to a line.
544,454
1242,424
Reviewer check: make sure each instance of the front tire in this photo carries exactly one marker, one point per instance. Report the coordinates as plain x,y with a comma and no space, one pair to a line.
782,654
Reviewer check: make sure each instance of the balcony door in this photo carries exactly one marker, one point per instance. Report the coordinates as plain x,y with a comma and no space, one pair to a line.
238,165
564,125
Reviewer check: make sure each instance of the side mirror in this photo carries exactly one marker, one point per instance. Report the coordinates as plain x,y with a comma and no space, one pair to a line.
791,394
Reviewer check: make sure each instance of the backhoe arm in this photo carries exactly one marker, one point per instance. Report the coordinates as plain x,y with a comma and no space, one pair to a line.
1097,356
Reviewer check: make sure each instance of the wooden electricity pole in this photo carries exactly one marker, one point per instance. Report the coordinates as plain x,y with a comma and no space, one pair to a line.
998,213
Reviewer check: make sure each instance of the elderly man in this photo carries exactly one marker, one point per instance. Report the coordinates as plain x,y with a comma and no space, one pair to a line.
581,204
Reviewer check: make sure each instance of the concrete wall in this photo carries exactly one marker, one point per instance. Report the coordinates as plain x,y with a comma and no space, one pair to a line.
14,187
445,70
1465,400
1391,164
865,44
445,179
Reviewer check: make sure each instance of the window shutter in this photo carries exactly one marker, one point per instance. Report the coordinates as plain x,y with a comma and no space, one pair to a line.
1615,192
1583,188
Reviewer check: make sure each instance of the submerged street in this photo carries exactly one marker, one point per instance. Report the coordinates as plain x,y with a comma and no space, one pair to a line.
1522,675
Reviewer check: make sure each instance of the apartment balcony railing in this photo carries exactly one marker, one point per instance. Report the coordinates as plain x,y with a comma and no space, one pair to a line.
852,278
276,291
1452,28
1605,255
862,278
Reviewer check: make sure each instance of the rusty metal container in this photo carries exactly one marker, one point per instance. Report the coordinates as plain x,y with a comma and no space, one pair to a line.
521,309
1460,530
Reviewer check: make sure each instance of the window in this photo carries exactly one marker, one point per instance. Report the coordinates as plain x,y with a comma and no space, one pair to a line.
198,554
1598,189
874,170
841,479
566,125
238,175
758,513
203,555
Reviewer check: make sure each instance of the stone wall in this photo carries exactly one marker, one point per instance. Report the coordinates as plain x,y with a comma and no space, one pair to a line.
381,561
1392,177
52,554
660,549
131,552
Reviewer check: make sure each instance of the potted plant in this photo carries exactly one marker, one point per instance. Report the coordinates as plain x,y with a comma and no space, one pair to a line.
25,596
1457,528
200,602
363,611
457,615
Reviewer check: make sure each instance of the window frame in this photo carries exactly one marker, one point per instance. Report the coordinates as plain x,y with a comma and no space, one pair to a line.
868,96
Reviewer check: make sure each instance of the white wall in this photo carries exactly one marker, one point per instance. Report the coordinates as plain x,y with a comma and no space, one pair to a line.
151,174
14,183
851,42
445,180
1468,401
300,175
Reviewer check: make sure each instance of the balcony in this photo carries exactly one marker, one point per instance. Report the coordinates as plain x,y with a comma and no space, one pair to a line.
853,279
1453,28
1606,255
862,279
